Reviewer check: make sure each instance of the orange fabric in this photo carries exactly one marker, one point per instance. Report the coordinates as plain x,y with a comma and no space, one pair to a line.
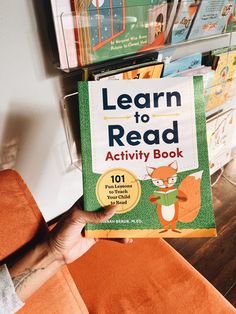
20,223
20,218
58,296
147,276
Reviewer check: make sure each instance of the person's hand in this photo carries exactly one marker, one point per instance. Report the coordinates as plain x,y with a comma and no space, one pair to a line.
66,240
64,244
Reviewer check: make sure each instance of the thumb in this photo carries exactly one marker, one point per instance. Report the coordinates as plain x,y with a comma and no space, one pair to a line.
80,217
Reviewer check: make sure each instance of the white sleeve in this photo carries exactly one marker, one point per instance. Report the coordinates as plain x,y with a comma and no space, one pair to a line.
9,301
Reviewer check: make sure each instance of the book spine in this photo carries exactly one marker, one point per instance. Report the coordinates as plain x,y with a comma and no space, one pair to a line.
171,16
81,31
85,140
194,19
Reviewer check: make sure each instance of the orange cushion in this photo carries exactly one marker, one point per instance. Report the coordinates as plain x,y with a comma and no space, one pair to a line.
20,218
58,296
22,223
147,276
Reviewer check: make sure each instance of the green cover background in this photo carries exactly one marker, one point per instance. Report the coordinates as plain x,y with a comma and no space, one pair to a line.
145,210
135,9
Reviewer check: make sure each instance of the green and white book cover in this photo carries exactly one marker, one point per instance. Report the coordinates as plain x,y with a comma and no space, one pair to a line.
111,29
144,149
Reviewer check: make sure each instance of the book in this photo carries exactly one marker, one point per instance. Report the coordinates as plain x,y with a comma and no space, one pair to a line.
212,18
220,133
231,24
64,29
156,21
186,63
149,70
207,75
166,198
113,29
138,138
171,14
222,84
201,70
186,12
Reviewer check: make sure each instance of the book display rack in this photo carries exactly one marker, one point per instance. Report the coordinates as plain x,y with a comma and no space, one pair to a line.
92,32
152,39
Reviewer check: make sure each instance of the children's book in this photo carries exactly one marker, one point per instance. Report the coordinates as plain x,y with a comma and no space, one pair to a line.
231,24
150,70
157,21
222,85
220,132
183,64
212,18
166,198
171,14
111,29
185,16
208,77
144,149
64,29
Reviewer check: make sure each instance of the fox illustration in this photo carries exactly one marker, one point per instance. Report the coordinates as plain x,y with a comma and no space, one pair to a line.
173,205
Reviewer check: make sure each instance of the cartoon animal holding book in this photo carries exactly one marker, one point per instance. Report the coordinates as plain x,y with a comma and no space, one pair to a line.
175,204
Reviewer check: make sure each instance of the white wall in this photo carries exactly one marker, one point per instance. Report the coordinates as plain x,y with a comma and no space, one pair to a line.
31,129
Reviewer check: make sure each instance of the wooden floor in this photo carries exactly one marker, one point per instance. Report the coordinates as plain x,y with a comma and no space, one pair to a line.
215,258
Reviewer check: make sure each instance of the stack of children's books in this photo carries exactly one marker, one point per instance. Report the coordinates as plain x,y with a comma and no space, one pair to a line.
219,80
145,143
90,31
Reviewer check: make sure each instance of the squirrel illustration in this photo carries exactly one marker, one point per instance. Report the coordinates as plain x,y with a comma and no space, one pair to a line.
175,204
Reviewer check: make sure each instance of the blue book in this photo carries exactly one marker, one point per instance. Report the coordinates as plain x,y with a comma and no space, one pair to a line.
183,64
212,18
185,16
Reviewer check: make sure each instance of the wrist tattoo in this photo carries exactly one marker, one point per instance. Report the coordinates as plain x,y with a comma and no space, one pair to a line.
19,280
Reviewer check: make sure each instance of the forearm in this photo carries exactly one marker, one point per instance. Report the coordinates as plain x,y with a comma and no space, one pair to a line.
33,270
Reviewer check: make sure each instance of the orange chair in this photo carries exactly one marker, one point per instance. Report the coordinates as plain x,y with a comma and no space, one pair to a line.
21,224
146,277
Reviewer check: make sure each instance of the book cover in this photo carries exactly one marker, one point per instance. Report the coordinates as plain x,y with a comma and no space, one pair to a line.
157,21
141,72
111,29
231,24
222,85
220,132
166,198
207,75
183,64
212,18
185,16
143,138
171,14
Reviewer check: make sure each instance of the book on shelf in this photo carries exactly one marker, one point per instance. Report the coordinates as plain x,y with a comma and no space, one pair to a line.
220,133
144,149
221,87
212,18
108,30
231,26
186,12
144,71
171,14
183,64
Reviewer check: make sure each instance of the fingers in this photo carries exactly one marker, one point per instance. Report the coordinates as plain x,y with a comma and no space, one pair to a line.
81,217
123,240
118,240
